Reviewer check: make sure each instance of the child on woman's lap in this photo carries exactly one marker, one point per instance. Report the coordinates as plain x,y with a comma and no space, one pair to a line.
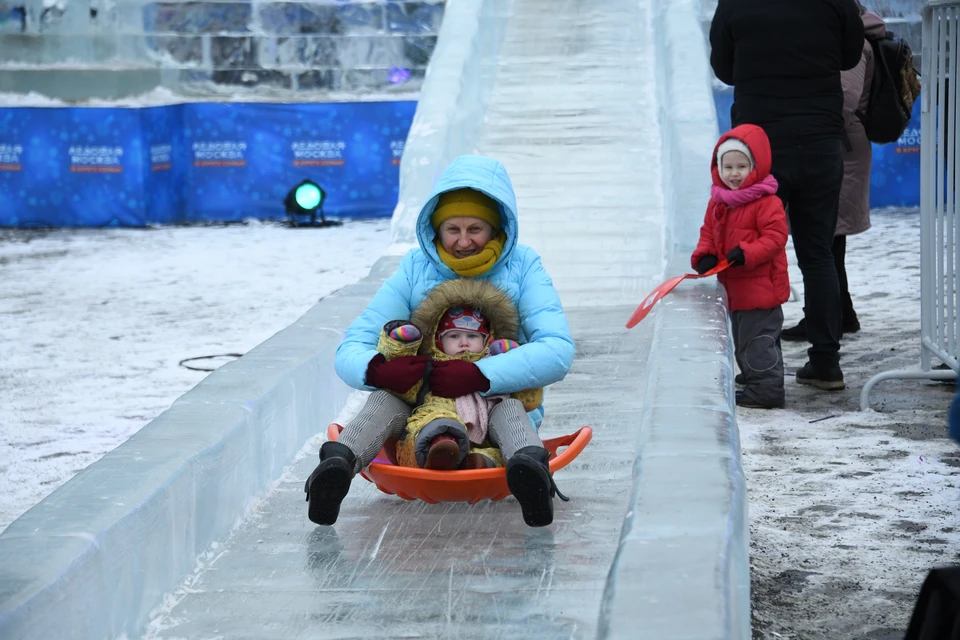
453,433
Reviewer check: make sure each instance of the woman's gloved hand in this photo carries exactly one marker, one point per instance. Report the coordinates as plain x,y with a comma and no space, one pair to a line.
396,375
706,263
455,378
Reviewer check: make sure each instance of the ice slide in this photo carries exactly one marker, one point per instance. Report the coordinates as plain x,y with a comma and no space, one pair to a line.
602,113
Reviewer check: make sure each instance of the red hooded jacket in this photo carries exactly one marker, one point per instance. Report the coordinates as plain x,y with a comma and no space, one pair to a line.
758,227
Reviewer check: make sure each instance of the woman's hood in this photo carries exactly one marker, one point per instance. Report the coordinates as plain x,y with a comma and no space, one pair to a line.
482,174
758,143
478,294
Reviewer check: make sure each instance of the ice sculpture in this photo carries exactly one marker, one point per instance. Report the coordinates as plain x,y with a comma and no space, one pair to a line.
267,49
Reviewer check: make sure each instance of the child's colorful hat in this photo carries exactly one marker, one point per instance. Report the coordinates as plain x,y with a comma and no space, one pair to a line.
463,319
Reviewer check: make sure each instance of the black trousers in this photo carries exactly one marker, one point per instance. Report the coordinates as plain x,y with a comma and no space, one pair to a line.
809,178
839,259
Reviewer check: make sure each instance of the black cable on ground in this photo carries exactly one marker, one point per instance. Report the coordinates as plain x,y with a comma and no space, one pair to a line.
219,355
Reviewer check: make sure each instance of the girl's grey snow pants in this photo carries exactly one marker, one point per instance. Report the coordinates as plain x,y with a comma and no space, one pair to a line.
756,338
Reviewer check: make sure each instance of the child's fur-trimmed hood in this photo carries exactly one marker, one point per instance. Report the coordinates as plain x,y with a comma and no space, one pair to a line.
494,304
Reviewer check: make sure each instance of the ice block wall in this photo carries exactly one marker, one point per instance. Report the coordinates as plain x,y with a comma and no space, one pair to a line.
682,563
267,49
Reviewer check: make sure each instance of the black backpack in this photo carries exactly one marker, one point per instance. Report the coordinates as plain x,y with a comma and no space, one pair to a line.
896,84
936,615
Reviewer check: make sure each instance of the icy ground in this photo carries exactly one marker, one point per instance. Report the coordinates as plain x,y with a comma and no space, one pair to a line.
848,509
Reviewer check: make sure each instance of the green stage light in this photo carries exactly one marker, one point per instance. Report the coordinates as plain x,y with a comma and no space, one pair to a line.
306,199
308,195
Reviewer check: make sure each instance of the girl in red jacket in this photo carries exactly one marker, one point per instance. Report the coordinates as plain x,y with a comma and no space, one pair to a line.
746,223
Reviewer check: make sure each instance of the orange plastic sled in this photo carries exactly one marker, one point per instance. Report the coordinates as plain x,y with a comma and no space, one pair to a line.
472,485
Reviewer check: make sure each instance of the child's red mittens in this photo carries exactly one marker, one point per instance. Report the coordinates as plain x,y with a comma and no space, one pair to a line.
455,378
397,375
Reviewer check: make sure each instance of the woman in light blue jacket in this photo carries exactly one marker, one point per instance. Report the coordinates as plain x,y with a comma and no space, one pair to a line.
466,229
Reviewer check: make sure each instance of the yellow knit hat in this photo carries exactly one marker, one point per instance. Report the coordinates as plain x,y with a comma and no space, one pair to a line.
466,202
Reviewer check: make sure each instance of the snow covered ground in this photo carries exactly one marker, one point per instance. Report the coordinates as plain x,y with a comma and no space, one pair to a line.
93,324
848,509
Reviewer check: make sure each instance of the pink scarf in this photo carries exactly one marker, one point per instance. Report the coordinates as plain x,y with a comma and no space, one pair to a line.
738,197
474,411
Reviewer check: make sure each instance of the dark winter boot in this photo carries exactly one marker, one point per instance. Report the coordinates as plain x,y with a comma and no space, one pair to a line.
529,480
826,377
441,444
797,333
477,461
849,321
329,483
850,324
444,454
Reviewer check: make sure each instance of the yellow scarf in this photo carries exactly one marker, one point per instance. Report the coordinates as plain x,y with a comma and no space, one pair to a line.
476,264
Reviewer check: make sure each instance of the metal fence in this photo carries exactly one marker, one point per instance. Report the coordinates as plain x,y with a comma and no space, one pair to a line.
939,179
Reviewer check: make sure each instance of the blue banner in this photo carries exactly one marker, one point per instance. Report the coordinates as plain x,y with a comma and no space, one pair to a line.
61,166
895,177
165,167
76,166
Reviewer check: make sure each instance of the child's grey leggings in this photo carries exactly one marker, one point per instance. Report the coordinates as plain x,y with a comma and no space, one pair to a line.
385,416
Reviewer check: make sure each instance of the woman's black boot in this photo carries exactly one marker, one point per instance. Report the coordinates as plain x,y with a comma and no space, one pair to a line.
529,480
329,483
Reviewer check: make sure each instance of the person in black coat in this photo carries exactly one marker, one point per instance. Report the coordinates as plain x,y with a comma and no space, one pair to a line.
784,58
